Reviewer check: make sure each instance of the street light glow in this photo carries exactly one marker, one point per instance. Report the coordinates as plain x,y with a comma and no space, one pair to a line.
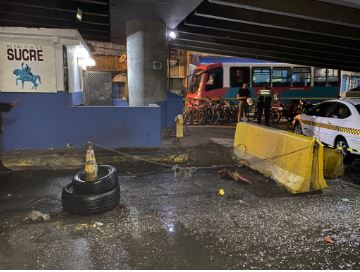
172,34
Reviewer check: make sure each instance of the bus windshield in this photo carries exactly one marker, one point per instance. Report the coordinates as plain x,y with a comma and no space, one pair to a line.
196,79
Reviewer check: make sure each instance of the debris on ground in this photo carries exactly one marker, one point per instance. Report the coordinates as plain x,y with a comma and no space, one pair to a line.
221,192
242,202
328,239
88,226
99,224
235,175
36,215
261,215
345,200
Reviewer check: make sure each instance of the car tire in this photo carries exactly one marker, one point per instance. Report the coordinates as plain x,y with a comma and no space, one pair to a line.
82,204
297,128
108,180
342,143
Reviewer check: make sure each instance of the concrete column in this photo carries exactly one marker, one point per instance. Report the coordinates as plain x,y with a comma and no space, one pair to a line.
146,49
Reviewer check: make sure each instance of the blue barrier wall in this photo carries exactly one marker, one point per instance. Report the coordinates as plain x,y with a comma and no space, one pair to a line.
170,109
41,121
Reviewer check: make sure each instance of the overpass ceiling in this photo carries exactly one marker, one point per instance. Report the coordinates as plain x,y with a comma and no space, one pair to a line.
310,32
95,24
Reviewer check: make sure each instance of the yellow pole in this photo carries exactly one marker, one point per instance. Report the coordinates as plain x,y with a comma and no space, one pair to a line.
179,126
91,168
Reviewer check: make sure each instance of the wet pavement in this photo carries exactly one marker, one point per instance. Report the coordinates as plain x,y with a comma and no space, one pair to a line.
165,222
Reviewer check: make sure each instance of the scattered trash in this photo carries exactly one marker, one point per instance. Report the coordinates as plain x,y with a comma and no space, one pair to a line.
345,200
88,226
261,215
69,146
84,226
242,202
36,215
99,224
328,239
7,196
221,192
186,172
235,175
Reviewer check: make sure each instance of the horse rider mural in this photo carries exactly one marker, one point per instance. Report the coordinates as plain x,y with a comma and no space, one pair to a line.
25,74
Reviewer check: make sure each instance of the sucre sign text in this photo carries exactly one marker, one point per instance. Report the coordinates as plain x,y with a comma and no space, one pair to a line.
25,53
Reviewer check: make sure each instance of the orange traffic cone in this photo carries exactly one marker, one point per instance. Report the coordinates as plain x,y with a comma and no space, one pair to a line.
91,167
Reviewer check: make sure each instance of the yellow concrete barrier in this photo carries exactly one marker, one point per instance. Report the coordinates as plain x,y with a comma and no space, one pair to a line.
333,163
293,161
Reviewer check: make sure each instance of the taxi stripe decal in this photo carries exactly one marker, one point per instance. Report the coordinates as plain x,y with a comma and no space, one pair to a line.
353,131
348,149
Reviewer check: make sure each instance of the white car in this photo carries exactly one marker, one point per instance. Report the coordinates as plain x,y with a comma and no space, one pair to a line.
336,123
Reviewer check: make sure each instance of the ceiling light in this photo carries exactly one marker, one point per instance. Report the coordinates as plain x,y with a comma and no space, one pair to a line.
79,14
172,34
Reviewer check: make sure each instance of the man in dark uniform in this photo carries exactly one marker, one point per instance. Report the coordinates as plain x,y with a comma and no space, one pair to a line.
264,102
5,107
242,96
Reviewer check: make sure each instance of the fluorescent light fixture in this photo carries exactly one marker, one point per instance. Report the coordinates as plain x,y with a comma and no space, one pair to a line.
83,56
86,62
79,14
81,52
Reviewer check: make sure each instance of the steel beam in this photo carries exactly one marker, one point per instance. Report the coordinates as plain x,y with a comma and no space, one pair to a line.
253,41
269,33
303,9
282,22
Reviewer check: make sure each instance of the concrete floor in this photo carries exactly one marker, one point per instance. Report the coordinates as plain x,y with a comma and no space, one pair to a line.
165,222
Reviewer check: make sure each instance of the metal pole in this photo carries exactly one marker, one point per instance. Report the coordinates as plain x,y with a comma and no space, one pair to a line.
169,75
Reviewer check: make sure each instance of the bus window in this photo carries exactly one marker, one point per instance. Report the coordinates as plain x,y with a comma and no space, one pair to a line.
215,79
326,77
301,77
239,75
260,76
320,77
332,77
281,77
196,80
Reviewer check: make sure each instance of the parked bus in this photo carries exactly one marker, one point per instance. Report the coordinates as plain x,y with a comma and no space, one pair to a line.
288,81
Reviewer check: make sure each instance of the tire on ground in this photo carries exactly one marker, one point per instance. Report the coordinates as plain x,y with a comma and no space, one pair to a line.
108,180
342,143
81,204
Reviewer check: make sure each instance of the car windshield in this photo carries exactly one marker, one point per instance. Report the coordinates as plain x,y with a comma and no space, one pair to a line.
195,83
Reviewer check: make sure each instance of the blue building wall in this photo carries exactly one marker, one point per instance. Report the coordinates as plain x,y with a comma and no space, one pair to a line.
46,120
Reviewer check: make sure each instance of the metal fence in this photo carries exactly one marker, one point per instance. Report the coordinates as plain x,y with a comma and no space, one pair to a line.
98,88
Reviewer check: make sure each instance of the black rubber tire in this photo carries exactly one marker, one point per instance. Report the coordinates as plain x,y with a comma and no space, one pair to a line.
81,204
347,156
108,180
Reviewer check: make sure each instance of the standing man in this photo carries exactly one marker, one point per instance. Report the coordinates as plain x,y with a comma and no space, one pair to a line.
264,102
242,96
5,107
